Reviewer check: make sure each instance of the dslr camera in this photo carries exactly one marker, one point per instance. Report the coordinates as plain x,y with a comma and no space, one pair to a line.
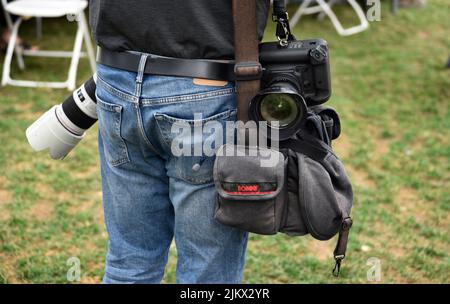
296,75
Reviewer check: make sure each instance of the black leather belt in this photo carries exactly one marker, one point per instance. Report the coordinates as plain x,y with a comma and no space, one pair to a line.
168,66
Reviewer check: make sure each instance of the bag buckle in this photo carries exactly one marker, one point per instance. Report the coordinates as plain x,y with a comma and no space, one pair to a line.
249,70
347,224
337,266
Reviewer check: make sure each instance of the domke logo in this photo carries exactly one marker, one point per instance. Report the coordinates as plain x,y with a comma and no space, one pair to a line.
247,188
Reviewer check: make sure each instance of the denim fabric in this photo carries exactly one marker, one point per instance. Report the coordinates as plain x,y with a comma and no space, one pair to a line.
151,197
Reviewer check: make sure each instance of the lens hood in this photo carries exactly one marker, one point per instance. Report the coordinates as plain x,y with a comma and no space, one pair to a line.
48,133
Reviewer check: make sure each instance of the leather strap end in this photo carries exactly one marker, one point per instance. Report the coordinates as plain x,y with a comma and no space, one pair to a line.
341,246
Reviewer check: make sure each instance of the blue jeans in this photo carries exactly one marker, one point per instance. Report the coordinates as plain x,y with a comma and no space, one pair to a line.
150,196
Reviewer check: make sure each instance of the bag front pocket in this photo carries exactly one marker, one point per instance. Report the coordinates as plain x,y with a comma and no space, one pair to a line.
251,196
325,195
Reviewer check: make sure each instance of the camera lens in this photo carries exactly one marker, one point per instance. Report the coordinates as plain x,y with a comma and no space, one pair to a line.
62,127
279,107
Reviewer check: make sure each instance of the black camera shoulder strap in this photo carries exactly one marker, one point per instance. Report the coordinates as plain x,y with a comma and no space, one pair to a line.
247,69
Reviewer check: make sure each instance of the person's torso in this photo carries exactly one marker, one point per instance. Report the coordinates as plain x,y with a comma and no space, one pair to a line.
177,28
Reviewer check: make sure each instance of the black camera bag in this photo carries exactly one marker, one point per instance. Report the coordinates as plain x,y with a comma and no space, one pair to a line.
305,190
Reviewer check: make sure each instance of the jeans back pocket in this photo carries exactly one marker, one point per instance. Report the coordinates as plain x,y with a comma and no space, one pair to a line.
110,123
192,153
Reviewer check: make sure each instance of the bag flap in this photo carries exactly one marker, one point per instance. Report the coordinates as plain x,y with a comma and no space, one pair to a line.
248,173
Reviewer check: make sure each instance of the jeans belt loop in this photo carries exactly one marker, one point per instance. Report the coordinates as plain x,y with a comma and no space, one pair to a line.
140,76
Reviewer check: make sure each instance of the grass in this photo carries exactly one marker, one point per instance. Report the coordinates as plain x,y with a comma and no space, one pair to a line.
392,92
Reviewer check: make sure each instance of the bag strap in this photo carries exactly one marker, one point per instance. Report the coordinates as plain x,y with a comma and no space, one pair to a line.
308,145
247,69
312,150
341,246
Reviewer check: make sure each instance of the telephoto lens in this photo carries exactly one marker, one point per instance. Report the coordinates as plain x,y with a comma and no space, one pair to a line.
62,127
281,106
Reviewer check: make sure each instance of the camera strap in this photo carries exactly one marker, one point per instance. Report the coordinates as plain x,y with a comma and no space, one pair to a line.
281,17
247,69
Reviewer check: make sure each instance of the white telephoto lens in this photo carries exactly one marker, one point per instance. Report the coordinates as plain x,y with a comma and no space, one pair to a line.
49,133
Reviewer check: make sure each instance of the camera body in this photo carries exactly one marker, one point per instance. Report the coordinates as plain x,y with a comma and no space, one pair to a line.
306,61
295,76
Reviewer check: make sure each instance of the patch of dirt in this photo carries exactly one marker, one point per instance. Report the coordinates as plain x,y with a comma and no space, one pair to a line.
322,250
85,205
382,144
20,166
382,147
384,240
410,205
342,146
90,280
423,34
359,177
100,219
5,198
50,194
42,210
83,174
7,269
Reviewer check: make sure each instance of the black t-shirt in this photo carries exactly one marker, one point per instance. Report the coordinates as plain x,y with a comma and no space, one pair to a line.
174,28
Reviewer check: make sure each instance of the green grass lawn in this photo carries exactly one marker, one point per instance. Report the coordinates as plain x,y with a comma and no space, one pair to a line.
392,91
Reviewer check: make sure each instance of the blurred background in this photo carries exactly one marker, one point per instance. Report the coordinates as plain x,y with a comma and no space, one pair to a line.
391,87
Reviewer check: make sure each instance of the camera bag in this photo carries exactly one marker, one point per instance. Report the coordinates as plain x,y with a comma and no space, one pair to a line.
305,190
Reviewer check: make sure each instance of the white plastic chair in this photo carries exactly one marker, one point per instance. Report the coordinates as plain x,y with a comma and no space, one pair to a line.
47,9
323,7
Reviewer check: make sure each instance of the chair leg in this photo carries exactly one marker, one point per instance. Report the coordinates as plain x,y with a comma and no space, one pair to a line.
394,7
298,14
19,58
88,42
39,27
8,19
338,26
322,15
71,81
10,52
